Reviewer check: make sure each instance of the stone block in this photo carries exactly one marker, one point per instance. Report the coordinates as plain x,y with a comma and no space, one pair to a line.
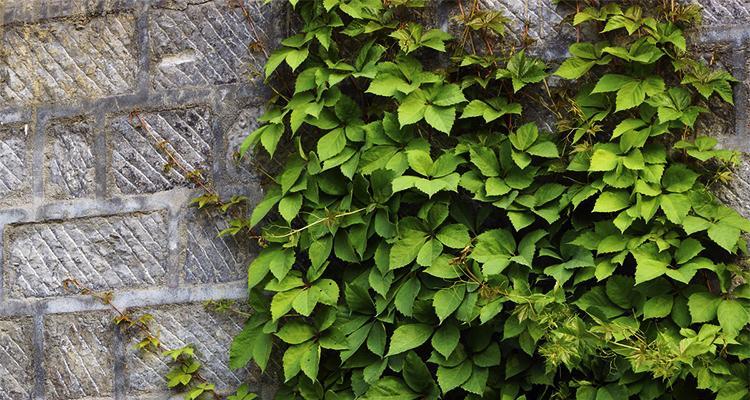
237,169
15,163
16,369
139,155
63,62
210,258
120,251
210,42
725,12
69,160
79,355
179,325
27,11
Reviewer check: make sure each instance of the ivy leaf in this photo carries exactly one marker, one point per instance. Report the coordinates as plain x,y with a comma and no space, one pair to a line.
724,235
675,206
732,316
440,118
389,388
455,236
446,339
295,332
451,378
703,306
658,307
650,265
447,300
524,136
409,336
678,178
612,201
331,144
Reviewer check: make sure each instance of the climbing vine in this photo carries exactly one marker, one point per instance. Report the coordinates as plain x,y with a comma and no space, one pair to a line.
426,239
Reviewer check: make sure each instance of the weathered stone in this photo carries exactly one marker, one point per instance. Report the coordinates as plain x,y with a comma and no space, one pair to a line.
15,161
78,355
26,11
122,251
241,168
69,162
180,325
210,258
139,155
63,62
725,12
16,370
210,42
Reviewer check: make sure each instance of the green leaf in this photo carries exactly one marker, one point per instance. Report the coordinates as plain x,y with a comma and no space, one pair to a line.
290,205
275,259
733,316
724,235
455,236
389,388
440,118
524,136
574,68
409,336
331,144
296,332
446,339
603,160
412,109
486,160
678,178
447,300
612,201
611,83
658,307
451,378
703,306
675,206
689,248
649,265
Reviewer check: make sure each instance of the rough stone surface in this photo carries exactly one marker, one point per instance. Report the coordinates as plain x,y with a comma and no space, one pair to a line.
196,43
139,155
725,12
16,370
15,160
101,253
78,355
178,326
210,258
64,62
70,160
25,11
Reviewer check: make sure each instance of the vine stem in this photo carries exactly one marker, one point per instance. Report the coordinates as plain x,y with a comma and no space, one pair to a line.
308,226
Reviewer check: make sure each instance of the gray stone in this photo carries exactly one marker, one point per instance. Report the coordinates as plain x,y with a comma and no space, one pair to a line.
78,355
725,12
210,42
139,155
237,168
16,370
27,11
15,161
69,164
180,325
63,62
210,258
122,251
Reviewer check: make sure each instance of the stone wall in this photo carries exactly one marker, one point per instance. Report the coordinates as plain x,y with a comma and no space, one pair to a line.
84,195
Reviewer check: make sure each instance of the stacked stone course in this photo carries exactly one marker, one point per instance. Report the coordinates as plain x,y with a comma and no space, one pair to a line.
84,195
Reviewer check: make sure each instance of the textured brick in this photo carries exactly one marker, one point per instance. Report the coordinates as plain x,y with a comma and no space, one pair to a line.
15,160
725,12
78,355
60,61
209,258
179,325
25,11
541,20
137,157
16,371
101,253
241,169
209,42
69,160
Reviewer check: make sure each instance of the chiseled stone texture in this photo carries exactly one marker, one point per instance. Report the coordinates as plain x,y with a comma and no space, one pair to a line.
208,42
139,155
121,251
59,61
25,11
79,355
15,160
725,12
70,160
16,370
241,169
210,258
180,325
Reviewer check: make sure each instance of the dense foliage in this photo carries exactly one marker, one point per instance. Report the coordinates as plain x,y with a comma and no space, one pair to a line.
425,240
